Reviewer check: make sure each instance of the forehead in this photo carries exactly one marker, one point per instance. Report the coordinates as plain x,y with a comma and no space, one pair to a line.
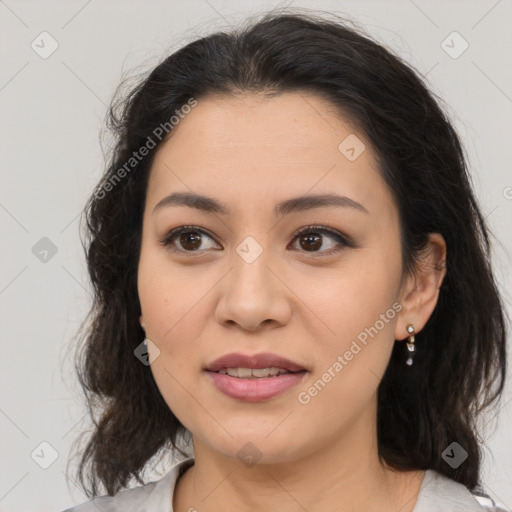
256,147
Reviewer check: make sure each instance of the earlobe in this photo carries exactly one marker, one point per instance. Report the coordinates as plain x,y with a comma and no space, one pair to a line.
142,324
421,291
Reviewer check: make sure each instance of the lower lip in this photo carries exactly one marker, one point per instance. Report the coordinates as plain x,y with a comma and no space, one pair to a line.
255,390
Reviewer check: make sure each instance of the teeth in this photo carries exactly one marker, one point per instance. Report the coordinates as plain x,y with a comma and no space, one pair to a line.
252,373
244,373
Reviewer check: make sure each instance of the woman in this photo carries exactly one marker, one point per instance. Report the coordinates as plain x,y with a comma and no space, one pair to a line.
292,272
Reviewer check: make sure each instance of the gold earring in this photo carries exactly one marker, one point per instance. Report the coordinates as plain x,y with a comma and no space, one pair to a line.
411,348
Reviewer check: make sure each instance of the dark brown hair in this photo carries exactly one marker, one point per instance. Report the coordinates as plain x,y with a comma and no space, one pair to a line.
460,365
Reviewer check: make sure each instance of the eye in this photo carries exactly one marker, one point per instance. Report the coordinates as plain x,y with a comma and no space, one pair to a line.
310,238
189,238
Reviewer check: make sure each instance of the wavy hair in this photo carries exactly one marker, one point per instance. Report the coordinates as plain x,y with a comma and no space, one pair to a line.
460,366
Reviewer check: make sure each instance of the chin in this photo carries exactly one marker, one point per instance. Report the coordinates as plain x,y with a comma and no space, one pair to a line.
257,447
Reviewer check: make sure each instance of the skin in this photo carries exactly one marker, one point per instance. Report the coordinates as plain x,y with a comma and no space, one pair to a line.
252,152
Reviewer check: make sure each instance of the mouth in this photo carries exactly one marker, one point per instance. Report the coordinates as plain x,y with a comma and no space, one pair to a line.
255,373
254,378
255,365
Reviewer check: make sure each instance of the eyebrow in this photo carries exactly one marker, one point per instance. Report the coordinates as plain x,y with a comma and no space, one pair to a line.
296,204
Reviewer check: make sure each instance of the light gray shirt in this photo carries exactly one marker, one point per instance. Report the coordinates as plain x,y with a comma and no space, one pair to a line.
437,494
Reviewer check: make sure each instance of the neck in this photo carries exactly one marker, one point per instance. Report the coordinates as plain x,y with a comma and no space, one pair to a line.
344,473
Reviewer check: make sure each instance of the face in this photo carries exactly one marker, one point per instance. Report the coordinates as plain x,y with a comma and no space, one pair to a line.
247,281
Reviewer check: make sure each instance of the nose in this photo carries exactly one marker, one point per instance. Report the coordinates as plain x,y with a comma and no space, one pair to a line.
254,295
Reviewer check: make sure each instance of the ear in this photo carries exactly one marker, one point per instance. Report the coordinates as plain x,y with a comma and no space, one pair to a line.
420,292
142,324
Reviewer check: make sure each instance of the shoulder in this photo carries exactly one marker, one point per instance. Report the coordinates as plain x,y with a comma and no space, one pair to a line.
153,496
443,494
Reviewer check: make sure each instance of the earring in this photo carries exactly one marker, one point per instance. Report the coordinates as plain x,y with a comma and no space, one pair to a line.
411,348
145,342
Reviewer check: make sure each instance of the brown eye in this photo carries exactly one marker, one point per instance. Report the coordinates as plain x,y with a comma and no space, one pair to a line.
311,239
188,238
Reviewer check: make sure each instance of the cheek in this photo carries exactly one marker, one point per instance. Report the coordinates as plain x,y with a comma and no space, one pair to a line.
360,311
358,308
174,314
171,298
354,296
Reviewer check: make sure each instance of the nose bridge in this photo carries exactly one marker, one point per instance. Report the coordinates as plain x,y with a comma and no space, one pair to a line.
251,274
252,293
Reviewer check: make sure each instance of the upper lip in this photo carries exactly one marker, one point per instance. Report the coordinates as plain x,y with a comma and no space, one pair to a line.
263,360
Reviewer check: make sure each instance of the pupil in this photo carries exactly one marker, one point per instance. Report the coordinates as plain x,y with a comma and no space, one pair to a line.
311,238
192,237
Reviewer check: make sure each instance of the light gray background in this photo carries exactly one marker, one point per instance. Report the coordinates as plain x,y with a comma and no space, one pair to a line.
52,113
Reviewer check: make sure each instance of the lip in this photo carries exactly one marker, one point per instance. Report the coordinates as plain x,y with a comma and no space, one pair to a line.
263,360
259,389
255,390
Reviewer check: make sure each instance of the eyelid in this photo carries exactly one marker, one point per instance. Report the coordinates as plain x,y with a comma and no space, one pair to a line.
325,229
164,240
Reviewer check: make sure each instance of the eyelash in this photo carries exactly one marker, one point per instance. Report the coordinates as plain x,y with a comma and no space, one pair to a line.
342,240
